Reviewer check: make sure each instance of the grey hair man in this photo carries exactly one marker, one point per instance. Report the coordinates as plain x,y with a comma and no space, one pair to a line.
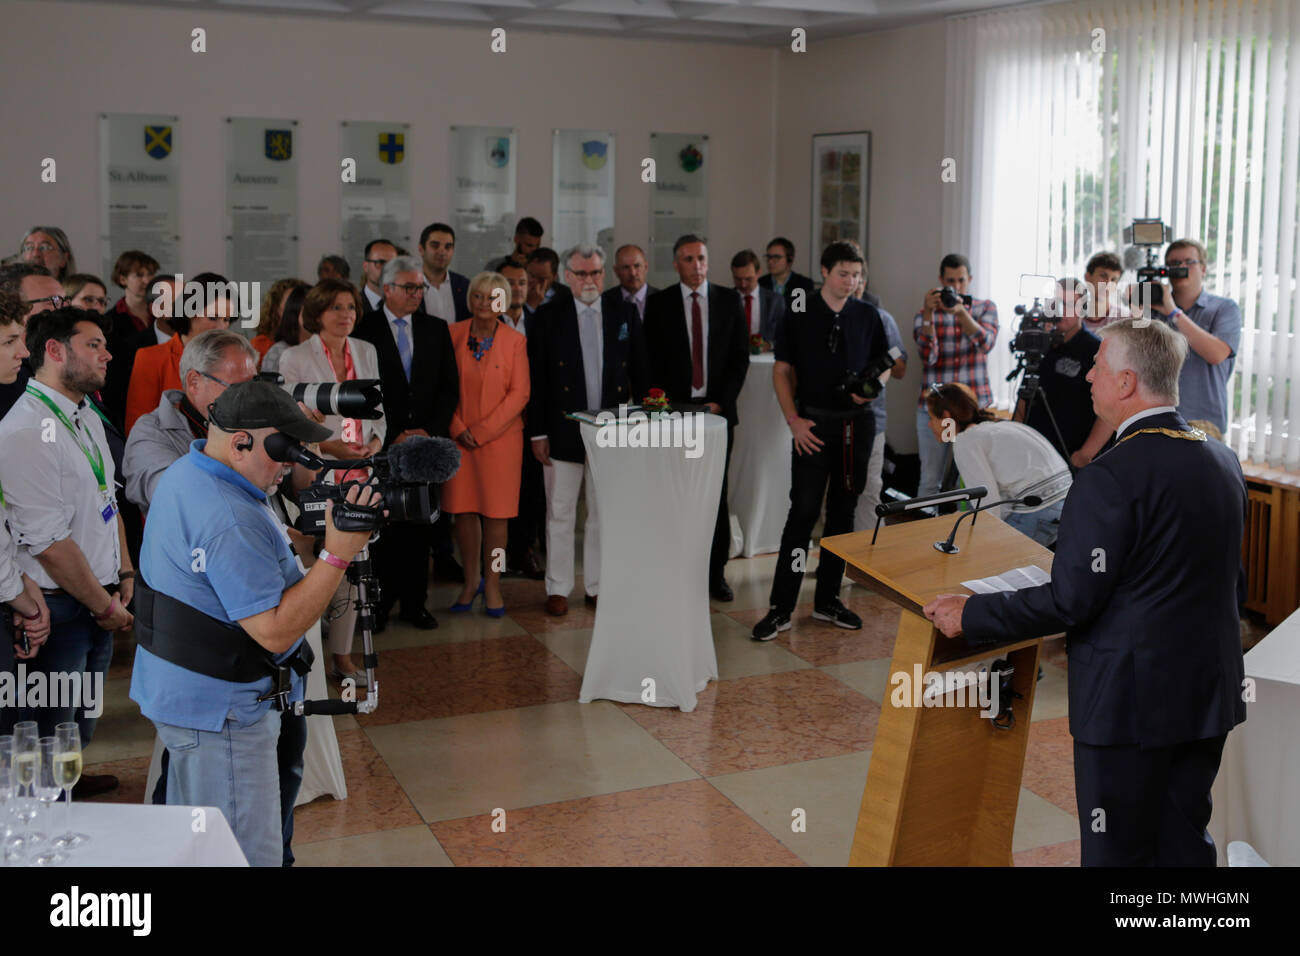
212,361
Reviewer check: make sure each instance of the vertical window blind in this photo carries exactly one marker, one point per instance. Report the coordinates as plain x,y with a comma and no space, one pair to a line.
1068,121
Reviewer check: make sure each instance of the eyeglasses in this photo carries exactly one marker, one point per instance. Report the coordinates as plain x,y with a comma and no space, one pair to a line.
56,301
1182,262
588,275
412,288
42,248
213,378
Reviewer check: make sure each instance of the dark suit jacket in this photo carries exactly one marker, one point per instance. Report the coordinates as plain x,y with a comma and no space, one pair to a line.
559,382
669,348
615,295
771,309
796,281
431,396
1144,583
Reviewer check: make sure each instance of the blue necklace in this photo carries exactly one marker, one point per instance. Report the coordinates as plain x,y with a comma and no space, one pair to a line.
480,348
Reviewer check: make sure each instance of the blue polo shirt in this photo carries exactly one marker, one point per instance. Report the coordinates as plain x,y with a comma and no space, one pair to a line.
211,542
1202,387
894,340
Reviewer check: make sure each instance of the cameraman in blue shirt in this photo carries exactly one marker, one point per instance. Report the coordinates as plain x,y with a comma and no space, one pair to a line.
215,553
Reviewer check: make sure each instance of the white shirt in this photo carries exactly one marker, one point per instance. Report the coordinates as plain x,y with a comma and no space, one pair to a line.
521,326
11,578
703,290
1010,460
591,336
392,327
1146,413
637,298
50,489
160,335
374,298
439,301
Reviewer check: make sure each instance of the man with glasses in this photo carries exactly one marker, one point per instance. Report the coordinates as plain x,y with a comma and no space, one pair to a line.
38,291
833,433
1212,326
583,353
211,362
379,252
421,387
781,277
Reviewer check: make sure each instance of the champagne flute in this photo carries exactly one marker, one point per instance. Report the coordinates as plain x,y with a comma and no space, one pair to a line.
27,758
47,791
67,771
11,843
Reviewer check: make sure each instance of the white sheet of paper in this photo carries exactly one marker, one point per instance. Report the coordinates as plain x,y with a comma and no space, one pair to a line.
1027,577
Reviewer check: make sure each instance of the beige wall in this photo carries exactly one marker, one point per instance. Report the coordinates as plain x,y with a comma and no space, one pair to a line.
890,83
70,63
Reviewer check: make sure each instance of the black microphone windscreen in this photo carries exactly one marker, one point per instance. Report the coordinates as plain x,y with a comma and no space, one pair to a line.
1134,258
424,460
1033,501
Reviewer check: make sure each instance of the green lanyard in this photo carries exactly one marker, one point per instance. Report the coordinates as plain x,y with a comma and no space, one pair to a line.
96,460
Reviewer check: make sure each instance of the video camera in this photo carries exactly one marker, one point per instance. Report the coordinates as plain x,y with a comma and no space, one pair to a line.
1037,334
406,476
359,398
1151,234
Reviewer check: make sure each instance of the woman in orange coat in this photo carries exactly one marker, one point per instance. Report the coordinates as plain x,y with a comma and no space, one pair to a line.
488,425
158,367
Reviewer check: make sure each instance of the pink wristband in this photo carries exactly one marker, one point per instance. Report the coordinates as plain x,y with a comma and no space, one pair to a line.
111,604
333,559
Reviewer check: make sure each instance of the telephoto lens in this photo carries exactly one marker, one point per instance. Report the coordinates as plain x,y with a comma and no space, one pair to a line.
360,398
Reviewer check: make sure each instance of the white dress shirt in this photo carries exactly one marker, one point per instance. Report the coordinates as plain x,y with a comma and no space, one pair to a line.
521,326
1011,460
50,489
160,335
392,327
1146,413
703,290
591,334
374,298
11,578
439,301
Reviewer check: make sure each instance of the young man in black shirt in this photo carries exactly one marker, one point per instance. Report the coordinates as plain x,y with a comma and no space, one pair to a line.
1063,377
832,432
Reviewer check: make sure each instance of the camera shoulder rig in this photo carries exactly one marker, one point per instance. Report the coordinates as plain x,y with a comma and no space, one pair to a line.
185,636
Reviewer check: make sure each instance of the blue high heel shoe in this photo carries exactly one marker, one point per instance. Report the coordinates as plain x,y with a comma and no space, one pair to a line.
494,611
462,608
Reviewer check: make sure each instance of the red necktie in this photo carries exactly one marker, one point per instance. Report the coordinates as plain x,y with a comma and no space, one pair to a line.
749,312
697,343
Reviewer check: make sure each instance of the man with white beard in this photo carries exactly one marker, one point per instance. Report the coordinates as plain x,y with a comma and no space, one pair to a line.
583,353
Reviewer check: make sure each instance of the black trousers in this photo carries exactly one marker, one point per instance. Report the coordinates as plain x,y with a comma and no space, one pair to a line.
721,550
812,477
1146,807
401,559
528,527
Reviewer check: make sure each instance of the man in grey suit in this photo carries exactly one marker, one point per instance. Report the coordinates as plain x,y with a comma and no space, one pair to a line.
761,307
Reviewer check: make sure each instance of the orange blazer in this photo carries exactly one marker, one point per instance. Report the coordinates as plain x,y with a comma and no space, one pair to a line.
157,368
503,394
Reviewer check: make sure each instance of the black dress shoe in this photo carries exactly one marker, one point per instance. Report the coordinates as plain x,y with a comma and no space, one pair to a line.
721,591
93,784
421,619
530,567
446,568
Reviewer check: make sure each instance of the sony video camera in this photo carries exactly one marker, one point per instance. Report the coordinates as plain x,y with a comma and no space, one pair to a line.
866,383
1150,235
1037,334
407,475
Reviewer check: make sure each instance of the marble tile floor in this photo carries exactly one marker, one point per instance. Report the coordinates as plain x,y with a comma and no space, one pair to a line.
481,755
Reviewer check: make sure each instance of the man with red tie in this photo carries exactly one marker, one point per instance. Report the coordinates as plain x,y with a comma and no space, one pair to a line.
698,346
763,308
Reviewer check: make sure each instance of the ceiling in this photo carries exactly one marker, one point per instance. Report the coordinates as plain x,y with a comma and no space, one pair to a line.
755,22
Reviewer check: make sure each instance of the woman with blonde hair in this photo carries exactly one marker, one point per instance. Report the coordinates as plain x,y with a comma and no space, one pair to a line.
488,425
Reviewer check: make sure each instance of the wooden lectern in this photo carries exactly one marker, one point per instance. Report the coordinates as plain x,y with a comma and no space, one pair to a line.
943,783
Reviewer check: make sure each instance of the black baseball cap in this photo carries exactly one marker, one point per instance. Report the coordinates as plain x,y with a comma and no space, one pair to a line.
263,405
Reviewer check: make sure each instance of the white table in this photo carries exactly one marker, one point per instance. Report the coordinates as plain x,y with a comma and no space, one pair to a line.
1257,792
128,834
658,509
758,492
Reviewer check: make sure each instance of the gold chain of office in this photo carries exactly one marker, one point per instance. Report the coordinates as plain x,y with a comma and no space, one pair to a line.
1192,434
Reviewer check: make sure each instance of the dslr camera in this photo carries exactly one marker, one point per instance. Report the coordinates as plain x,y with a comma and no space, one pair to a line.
951,298
866,383
1151,234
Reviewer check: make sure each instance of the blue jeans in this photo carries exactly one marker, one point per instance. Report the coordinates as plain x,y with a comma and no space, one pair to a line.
76,645
935,455
233,769
1042,525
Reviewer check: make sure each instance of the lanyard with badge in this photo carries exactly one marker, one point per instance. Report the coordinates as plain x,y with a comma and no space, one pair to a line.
96,460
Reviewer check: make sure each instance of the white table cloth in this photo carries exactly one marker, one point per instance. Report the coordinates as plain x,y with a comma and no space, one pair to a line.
127,834
322,771
658,509
758,492
1257,792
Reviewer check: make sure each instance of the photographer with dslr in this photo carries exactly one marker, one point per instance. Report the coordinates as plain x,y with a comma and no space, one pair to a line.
1063,373
219,582
828,366
954,333
1210,323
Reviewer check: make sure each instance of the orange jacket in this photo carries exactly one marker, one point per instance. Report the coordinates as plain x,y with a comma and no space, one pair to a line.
157,368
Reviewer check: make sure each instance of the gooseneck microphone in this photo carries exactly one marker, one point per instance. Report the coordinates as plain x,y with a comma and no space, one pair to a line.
924,501
947,547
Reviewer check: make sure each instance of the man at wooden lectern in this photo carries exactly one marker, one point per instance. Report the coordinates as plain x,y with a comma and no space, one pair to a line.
1144,585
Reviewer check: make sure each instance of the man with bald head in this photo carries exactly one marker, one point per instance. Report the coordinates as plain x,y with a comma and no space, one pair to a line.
631,268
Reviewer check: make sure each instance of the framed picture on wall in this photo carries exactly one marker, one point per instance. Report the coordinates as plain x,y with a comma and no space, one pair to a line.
841,176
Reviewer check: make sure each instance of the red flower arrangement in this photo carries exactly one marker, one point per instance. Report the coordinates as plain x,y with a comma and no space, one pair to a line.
656,401
758,344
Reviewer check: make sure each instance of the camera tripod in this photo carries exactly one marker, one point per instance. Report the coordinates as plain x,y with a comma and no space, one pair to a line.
1030,390
361,573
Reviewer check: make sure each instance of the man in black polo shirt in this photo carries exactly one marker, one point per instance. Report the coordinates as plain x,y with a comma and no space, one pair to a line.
832,432
1063,377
